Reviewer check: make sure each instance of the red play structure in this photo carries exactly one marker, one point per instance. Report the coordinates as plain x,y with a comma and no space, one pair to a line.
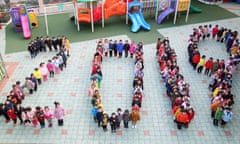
110,8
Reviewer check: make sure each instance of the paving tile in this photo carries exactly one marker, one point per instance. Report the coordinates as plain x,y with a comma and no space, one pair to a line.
169,113
204,81
68,111
64,132
173,133
36,132
119,94
4,94
144,112
119,132
146,132
50,94
79,67
228,133
9,131
82,57
91,132
200,133
76,80
13,80
119,68
165,95
119,80
55,80
73,94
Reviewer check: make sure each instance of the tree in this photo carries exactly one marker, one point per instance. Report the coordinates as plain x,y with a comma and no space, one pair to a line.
7,2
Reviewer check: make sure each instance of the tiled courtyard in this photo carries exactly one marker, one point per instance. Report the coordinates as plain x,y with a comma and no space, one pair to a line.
156,124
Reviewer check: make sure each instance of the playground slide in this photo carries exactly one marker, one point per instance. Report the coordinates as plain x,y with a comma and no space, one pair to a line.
195,9
33,19
138,22
164,14
116,9
25,26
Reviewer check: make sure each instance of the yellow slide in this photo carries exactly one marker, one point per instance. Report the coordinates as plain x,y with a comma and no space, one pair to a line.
33,19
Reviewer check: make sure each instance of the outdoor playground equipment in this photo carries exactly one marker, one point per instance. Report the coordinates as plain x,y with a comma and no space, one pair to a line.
136,16
104,10
175,7
23,20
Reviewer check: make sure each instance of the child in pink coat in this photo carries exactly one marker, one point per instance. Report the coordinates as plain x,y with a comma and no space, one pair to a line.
132,49
91,89
44,71
50,68
48,115
59,113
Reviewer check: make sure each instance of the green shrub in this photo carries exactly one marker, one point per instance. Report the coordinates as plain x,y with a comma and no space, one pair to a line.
5,13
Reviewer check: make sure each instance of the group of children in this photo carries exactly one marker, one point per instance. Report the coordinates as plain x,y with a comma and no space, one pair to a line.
101,117
117,48
177,89
220,72
12,108
30,117
41,44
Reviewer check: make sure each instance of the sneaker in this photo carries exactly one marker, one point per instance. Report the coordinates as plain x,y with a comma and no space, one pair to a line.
14,124
135,126
132,126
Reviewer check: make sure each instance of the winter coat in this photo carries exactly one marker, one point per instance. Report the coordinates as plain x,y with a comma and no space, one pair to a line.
50,67
132,48
11,114
227,116
135,116
94,112
29,84
99,116
126,117
48,114
67,44
196,58
59,112
37,74
113,121
40,116
105,121
182,117
43,69
120,47
218,114
209,64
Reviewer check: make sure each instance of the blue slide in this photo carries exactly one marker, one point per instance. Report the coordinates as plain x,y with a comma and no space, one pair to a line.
138,22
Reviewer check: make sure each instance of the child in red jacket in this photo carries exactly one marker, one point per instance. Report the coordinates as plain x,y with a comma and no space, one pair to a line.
214,31
208,66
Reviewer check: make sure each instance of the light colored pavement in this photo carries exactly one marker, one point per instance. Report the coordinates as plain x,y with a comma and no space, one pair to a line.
156,125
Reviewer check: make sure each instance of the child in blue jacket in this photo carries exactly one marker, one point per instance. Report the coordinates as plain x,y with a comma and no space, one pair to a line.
120,48
94,113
